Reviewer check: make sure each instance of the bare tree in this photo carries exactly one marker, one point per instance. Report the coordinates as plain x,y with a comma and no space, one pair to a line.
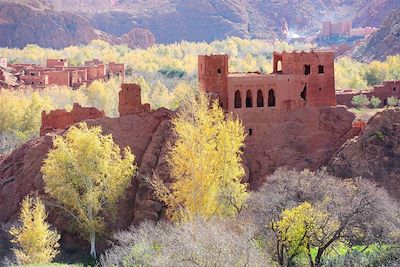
196,243
356,212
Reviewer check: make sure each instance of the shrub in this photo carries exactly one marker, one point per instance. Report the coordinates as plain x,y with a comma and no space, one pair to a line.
360,101
351,212
196,243
375,102
392,101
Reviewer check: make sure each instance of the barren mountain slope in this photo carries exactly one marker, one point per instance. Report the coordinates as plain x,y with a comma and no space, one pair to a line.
384,42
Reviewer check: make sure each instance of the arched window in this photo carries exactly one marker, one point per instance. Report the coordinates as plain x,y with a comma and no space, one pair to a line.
249,99
260,99
238,99
271,98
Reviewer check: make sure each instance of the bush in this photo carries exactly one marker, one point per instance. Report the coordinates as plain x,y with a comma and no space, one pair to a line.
392,101
375,102
196,243
360,101
351,212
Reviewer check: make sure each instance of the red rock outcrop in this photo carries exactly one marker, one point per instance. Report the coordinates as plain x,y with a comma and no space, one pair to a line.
60,119
307,139
298,138
374,154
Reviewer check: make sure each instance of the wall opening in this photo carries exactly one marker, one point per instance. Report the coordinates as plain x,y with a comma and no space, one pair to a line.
394,89
279,66
249,99
219,71
307,69
238,99
250,131
271,98
303,94
260,99
320,69
385,102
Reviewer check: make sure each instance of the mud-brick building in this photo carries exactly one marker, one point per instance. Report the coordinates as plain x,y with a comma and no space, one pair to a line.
298,79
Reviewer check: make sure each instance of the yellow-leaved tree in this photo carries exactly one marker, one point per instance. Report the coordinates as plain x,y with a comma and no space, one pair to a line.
37,243
86,174
205,163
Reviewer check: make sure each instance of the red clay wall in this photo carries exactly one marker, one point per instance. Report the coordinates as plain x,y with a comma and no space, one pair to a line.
130,100
213,76
116,69
60,78
60,119
35,81
383,92
52,63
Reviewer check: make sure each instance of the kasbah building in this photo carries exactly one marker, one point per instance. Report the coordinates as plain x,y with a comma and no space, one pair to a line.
299,79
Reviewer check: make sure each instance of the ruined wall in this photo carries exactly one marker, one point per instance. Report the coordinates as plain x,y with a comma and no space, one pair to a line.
383,92
60,119
116,69
130,100
35,81
52,63
213,76
58,77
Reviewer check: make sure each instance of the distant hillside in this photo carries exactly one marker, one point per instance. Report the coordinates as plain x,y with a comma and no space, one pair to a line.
171,21
208,20
24,23
384,42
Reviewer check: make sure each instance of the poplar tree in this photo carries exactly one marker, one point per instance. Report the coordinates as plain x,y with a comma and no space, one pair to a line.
86,174
36,242
205,163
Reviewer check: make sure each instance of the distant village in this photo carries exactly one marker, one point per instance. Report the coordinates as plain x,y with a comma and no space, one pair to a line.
57,72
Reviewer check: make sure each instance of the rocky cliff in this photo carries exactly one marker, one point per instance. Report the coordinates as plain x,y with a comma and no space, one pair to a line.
384,42
375,154
22,24
307,139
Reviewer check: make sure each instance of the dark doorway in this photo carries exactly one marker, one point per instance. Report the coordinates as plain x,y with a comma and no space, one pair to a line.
249,99
260,99
271,98
304,93
238,99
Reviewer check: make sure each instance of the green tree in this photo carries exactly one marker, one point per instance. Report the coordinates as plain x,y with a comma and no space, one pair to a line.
205,163
360,101
86,174
376,73
37,244
375,102
392,101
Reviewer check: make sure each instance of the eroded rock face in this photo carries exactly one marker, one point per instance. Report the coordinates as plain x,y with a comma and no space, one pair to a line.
60,119
375,154
301,138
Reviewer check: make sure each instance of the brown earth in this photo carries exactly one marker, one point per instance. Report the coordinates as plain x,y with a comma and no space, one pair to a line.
374,154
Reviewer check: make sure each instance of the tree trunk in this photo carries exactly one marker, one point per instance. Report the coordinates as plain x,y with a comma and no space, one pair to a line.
93,245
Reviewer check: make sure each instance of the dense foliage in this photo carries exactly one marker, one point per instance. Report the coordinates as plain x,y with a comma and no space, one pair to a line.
36,242
205,158
86,174
166,73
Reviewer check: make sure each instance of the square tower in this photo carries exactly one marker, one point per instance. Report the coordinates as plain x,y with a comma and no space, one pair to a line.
213,77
